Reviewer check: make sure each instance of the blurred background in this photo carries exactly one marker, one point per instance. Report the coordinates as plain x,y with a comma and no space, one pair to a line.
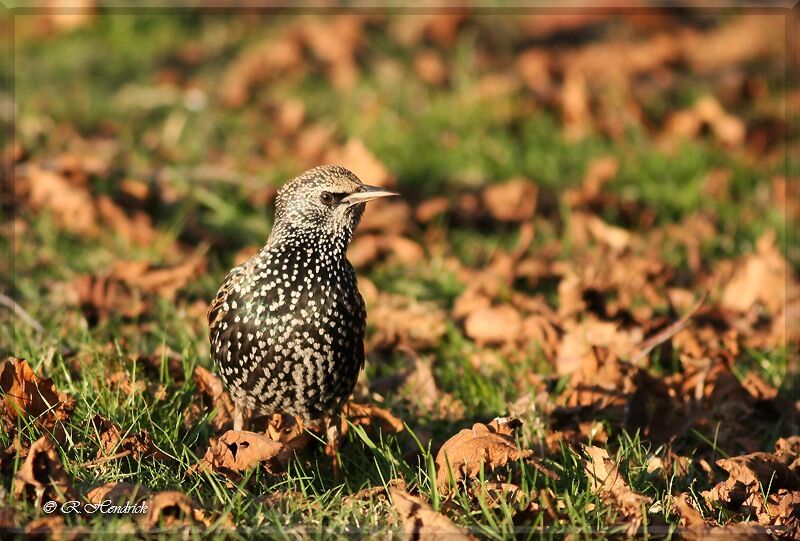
572,182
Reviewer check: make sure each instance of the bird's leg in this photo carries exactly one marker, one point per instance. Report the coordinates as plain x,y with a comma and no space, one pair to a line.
238,417
332,435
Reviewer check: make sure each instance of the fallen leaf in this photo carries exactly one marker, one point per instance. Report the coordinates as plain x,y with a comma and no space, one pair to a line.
490,446
165,281
52,527
41,477
494,325
750,477
212,396
171,509
239,451
290,116
25,394
400,320
513,200
356,157
430,67
288,430
760,277
137,228
138,445
420,521
335,41
100,297
366,249
70,205
606,480
260,63
533,66
430,209
118,493
723,46
368,415
574,101
419,387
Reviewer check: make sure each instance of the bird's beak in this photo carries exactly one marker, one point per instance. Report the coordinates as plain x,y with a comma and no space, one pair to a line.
367,193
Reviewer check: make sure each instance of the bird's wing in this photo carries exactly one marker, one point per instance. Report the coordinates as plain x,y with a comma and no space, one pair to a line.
216,312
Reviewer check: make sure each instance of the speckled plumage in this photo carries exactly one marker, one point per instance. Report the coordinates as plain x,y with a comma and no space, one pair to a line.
287,326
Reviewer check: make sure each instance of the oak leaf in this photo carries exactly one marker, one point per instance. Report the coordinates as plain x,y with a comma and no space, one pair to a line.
240,450
24,394
484,445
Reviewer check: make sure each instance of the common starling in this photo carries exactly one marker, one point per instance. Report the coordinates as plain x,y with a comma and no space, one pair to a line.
287,325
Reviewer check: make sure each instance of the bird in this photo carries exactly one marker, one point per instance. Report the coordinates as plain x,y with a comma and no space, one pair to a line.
287,326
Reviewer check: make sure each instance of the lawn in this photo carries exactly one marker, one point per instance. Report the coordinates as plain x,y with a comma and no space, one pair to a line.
571,187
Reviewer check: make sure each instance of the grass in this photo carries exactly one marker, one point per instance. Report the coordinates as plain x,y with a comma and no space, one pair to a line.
92,83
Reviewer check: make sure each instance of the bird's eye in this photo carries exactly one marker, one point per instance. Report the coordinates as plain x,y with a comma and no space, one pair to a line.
327,198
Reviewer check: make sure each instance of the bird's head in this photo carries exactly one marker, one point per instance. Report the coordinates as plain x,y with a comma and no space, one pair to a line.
325,202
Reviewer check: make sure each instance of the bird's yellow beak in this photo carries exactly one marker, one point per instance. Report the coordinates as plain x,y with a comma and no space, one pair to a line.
367,193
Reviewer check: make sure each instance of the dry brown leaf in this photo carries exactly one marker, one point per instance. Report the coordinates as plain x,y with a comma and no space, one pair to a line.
494,325
750,477
391,216
472,299
262,62
240,450
171,509
27,395
312,143
288,430
760,277
212,395
164,281
430,67
695,526
41,477
8,521
490,446
138,446
606,480
706,112
102,296
430,209
742,39
71,206
334,41
574,101
366,249
577,345
400,320
356,157
689,515
118,493
420,521
421,390
122,380
290,116
533,66
512,201
138,228
368,415
52,527
162,357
